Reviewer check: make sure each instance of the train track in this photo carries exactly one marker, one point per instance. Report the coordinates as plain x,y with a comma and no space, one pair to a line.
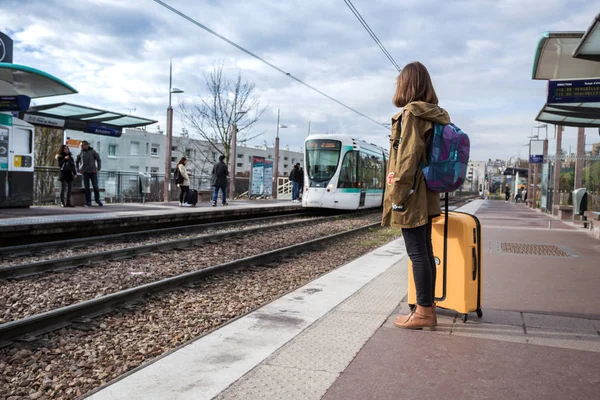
81,313
34,268
45,247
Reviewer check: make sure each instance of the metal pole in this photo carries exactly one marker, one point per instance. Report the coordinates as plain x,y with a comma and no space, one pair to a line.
167,188
557,165
545,158
276,163
578,179
232,156
308,128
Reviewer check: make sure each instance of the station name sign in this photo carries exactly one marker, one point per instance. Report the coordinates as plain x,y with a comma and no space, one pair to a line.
103,130
45,121
574,91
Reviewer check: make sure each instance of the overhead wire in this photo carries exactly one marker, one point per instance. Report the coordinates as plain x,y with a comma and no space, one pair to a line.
373,35
237,46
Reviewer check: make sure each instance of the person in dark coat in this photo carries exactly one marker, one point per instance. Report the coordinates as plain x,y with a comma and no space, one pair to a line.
294,178
219,180
300,178
88,163
67,174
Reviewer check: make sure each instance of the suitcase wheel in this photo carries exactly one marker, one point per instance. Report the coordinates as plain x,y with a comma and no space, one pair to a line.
465,317
479,312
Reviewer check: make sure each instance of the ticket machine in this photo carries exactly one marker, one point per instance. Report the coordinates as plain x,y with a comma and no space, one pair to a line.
16,161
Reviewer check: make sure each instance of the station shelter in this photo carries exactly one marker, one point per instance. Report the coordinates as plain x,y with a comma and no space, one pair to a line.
570,63
20,84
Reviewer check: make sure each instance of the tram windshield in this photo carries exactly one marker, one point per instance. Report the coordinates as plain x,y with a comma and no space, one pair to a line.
322,157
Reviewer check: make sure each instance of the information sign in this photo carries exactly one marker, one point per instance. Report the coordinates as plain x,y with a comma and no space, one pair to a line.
103,130
257,176
536,151
14,103
268,178
574,91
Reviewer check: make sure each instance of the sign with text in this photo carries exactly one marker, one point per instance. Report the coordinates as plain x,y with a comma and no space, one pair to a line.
574,91
257,176
268,178
45,121
536,151
103,130
14,103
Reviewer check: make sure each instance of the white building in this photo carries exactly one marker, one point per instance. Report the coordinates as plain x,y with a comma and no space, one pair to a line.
140,150
475,180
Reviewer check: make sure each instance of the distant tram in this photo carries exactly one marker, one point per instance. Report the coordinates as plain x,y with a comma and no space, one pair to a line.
343,172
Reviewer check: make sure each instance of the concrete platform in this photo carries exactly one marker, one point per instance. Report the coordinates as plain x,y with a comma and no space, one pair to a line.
539,337
22,226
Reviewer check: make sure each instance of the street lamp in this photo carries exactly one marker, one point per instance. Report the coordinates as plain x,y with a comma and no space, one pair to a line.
232,153
172,90
276,166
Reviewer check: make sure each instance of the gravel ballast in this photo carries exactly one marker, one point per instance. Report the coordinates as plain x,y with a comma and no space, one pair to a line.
57,289
68,363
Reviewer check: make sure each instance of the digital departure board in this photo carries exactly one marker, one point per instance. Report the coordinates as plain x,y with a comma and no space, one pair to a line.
323,144
14,103
575,91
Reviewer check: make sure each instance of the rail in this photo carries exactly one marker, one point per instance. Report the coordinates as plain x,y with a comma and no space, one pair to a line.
65,316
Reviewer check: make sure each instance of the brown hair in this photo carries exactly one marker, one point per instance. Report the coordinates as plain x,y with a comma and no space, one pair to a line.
181,160
414,84
61,150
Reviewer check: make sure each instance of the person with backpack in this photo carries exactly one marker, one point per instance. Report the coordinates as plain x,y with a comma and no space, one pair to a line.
506,194
408,202
295,179
219,180
182,179
88,163
68,172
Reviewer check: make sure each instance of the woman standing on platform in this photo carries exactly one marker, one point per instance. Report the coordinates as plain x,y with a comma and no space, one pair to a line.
408,204
185,182
67,174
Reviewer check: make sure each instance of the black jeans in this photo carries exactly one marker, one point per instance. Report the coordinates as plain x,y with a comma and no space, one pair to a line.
65,189
420,251
183,193
86,185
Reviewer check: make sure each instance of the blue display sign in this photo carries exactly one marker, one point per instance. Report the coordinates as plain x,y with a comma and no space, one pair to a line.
257,176
536,159
574,91
104,130
15,103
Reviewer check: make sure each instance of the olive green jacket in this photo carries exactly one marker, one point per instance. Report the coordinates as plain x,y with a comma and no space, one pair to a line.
407,202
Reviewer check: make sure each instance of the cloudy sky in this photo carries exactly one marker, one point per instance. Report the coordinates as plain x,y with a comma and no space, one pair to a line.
116,54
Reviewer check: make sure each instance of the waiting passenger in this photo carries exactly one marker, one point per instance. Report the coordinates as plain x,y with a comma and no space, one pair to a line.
68,172
506,194
294,178
184,184
219,180
88,163
408,203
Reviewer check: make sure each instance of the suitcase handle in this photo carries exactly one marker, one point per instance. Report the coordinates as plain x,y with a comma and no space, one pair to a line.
474,263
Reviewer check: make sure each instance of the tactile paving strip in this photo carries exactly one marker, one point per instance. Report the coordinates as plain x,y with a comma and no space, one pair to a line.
307,366
532,249
58,218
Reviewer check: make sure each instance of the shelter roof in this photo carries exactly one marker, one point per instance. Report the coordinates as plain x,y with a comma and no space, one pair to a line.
21,80
554,58
589,46
83,114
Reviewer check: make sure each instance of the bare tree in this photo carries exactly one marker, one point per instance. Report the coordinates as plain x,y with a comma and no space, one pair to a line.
227,102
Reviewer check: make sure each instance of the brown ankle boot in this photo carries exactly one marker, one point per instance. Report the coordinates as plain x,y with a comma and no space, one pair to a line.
422,318
400,319
434,313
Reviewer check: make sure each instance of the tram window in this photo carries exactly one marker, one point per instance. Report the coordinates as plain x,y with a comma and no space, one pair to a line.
348,172
322,157
371,171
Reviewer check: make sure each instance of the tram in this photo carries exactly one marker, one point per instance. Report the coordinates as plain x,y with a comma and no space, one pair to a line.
343,172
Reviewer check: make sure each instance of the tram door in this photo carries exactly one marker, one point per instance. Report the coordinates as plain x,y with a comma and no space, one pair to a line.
360,166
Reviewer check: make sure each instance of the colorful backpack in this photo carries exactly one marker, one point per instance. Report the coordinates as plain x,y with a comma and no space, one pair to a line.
447,158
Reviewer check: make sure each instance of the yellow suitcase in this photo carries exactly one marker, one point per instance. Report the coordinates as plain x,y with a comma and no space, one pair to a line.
458,282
